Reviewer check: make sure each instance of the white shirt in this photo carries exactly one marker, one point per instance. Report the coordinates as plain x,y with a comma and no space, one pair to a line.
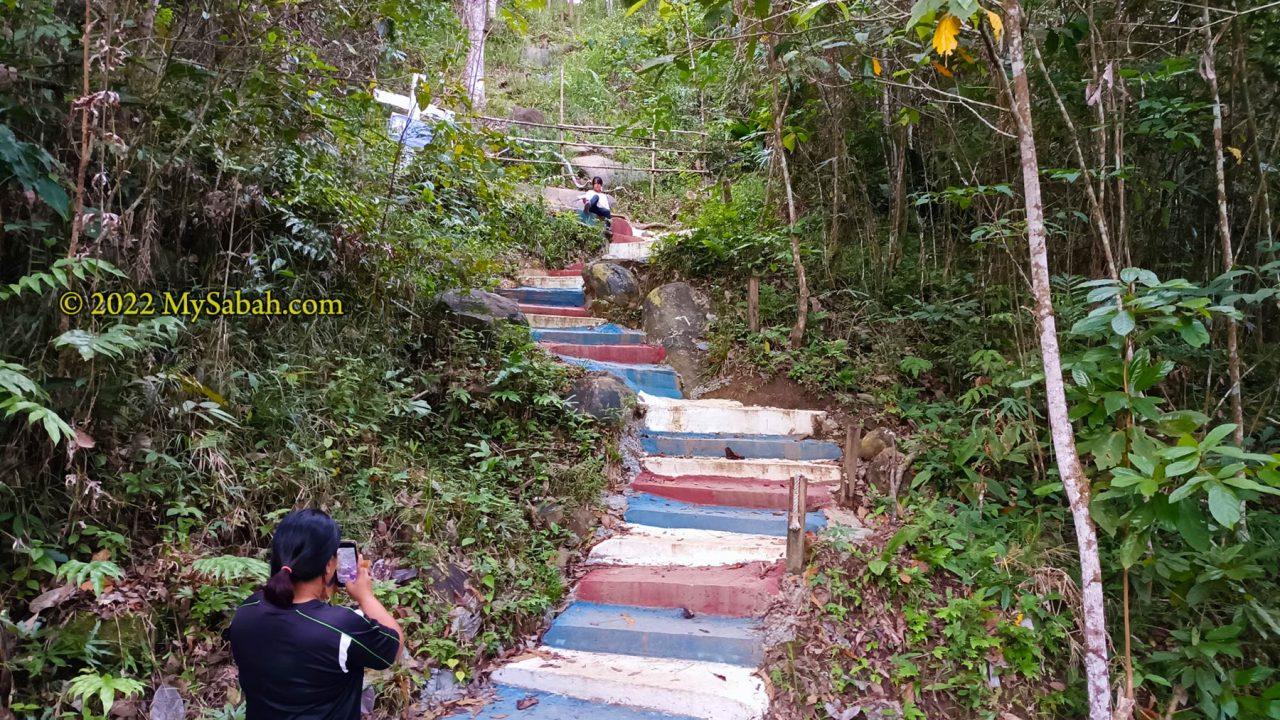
603,203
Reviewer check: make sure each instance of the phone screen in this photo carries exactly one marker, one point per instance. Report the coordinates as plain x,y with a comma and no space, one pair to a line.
347,568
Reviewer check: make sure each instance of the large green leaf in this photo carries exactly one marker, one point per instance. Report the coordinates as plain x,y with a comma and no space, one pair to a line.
1224,505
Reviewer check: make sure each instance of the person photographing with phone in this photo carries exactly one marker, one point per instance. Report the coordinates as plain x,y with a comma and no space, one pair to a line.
299,657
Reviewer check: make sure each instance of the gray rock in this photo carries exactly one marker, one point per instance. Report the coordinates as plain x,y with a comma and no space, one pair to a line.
610,284
168,705
612,172
602,396
880,472
536,56
676,316
440,688
479,309
532,115
874,442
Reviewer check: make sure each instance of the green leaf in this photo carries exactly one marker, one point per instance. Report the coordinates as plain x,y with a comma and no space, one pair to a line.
877,567
1246,484
1191,525
921,9
1182,467
1193,333
635,7
1224,505
1131,549
655,62
1123,324
1187,488
1216,435
1115,401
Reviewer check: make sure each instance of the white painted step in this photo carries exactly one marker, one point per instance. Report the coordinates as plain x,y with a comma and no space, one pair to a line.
727,416
660,547
816,472
630,251
553,282
561,321
713,691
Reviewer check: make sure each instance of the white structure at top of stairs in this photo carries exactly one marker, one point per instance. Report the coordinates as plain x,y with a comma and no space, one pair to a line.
727,416
713,691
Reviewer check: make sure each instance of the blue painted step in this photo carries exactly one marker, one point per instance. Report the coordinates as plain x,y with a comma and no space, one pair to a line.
607,334
656,632
646,509
657,380
784,447
557,297
556,707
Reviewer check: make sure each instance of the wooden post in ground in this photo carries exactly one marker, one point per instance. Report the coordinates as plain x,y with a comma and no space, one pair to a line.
653,163
852,443
795,524
753,304
562,103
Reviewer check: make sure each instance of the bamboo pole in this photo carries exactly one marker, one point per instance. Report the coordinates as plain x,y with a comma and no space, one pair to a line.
753,303
562,104
602,129
501,158
795,525
549,141
852,444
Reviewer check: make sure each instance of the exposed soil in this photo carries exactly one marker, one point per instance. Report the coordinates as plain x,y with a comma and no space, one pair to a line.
778,391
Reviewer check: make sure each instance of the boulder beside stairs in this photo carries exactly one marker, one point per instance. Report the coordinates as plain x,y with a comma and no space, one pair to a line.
478,309
610,284
676,316
602,396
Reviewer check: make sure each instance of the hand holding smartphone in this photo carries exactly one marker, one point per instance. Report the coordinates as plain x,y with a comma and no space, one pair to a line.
348,562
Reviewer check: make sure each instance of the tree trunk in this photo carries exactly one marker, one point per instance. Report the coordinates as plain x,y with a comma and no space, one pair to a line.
780,153
1093,614
475,18
1209,70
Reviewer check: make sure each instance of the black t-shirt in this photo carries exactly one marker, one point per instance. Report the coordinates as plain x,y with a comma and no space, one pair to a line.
306,662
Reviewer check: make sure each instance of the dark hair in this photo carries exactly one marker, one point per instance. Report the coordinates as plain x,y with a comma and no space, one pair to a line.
597,179
304,542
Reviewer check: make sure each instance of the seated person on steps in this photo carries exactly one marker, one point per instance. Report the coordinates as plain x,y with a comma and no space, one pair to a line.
596,202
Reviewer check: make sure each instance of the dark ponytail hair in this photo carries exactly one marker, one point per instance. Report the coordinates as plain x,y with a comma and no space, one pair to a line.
304,542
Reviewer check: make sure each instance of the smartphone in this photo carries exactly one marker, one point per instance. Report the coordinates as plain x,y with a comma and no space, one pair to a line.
348,559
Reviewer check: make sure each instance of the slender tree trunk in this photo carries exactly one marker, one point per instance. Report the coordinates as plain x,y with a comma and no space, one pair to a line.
475,18
1209,70
780,153
1093,614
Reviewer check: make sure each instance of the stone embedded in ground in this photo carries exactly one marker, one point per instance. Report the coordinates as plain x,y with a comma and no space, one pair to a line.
881,469
612,172
611,284
530,115
676,316
602,396
440,688
478,309
167,705
874,442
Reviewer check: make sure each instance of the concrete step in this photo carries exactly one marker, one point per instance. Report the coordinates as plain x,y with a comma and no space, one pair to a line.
731,492
637,251
653,380
645,545
714,691
604,334
715,416
654,511
626,354
740,591
537,320
574,270
782,447
565,311
550,281
548,297
816,472
549,706
655,632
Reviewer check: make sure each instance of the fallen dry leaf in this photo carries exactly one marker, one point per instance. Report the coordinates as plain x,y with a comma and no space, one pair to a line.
52,598
526,703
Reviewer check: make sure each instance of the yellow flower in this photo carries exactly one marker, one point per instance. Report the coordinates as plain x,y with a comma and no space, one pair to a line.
944,37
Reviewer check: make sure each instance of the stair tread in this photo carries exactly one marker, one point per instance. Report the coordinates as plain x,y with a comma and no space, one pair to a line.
646,545
655,511
550,706
758,469
656,632
715,691
742,590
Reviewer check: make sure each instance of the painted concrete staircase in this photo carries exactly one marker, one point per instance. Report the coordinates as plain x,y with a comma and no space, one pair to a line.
666,622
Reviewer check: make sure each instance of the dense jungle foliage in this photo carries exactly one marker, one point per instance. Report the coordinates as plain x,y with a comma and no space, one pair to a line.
220,146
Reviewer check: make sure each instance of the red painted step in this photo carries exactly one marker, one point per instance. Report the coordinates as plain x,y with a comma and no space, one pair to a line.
739,591
643,354
734,492
622,232
571,271
554,310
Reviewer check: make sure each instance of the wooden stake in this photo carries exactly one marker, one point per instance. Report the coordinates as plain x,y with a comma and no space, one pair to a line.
795,525
852,444
561,103
753,304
